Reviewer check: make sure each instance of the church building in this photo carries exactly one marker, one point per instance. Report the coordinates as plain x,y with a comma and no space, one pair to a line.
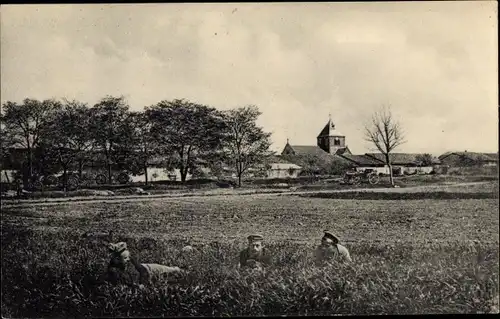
329,142
331,145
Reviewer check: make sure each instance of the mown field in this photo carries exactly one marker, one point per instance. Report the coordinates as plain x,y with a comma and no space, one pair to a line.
410,256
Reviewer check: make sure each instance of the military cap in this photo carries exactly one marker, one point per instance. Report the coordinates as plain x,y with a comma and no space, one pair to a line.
118,247
255,237
331,236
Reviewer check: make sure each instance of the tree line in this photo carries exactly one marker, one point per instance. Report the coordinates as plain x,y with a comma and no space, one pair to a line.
64,135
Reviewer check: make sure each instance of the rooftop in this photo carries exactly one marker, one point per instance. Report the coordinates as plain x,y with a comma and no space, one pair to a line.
329,130
400,158
473,156
362,160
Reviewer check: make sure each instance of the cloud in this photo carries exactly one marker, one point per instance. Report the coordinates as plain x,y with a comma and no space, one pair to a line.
435,63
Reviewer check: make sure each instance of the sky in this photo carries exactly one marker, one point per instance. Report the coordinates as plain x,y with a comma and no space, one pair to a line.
434,64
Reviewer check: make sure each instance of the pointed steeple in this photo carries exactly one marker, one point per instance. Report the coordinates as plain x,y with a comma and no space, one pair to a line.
329,129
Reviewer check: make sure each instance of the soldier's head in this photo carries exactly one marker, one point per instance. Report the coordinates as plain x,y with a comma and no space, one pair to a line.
255,244
329,239
119,252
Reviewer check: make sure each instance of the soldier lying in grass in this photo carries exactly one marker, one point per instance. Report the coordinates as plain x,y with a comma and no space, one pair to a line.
330,250
255,256
120,256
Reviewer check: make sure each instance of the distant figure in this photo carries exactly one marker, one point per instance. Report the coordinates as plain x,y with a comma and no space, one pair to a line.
255,255
330,250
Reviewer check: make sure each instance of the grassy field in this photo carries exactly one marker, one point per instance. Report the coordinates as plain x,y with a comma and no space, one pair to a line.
410,256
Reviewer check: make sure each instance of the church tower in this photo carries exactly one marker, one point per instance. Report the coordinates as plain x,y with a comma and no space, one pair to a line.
330,140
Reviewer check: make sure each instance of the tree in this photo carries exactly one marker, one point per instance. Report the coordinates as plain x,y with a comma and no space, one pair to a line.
188,130
68,136
145,146
24,124
313,164
109,128
425,159
246,143
7,142
386,134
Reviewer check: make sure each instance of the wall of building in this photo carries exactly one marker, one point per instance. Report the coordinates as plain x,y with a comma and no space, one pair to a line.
379,170
283,173
327,143
398,169
416,170
490,164
159,174
7,176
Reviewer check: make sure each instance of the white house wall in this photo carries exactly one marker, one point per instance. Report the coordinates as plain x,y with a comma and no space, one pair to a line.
282,173
161,175
379,170
7,176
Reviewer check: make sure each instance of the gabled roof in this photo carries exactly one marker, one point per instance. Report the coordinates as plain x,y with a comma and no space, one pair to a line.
362,160
277,159
488,157
329,130
343,150
308,150
400,158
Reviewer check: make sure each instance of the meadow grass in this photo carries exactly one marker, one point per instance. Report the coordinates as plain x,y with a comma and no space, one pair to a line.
410,257
58,275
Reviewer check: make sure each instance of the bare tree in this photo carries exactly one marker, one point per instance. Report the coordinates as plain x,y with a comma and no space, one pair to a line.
425,159
386,134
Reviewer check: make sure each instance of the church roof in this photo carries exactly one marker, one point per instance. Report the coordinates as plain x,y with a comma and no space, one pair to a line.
342,151
316,150
329,130
308,150
277,159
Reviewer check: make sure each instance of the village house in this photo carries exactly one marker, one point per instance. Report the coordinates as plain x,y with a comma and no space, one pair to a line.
278,167
468,159
331,145
406,163
363,162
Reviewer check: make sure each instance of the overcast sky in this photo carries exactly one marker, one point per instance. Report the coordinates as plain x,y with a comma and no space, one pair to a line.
435,63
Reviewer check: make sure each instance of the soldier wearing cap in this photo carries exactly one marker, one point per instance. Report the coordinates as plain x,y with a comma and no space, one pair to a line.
255,255
330,249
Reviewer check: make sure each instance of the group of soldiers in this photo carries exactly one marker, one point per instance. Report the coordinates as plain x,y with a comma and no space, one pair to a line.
257,256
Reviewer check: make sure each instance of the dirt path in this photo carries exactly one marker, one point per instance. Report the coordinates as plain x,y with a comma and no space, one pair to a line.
217,193
411,189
